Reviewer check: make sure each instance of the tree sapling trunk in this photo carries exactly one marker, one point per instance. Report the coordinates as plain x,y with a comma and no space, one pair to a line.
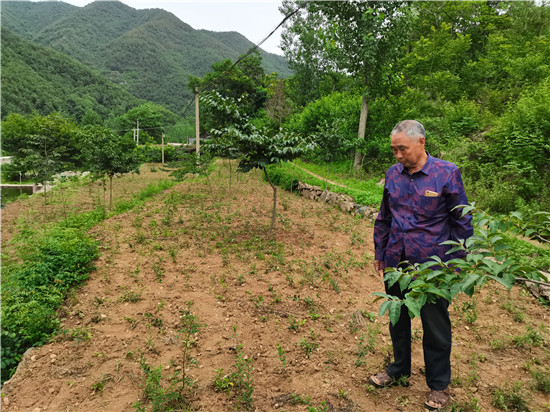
274,212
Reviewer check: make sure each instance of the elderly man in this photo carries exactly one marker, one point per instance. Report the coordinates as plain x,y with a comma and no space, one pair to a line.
416,216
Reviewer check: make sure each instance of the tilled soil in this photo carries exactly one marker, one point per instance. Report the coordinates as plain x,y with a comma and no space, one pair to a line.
293,308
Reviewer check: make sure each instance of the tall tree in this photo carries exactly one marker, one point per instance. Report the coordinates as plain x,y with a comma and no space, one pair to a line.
108,154
245,83
358,38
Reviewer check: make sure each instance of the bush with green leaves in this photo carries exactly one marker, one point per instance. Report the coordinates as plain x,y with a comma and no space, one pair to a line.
153,154
434,279
32,293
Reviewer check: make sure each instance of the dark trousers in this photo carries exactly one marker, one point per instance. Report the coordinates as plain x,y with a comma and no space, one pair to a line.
436,342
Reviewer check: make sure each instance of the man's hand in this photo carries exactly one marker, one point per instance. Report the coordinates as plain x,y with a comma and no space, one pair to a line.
379,267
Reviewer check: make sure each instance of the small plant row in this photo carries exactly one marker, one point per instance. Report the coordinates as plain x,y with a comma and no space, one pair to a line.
32,291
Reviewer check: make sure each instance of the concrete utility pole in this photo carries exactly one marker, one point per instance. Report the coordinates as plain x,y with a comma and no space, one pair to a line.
197,136
137,135
163,147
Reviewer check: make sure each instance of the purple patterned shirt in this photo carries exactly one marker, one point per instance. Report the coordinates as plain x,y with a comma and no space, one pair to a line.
416,213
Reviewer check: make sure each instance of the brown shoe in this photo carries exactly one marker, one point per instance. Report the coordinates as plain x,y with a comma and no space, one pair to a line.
437,400
383,380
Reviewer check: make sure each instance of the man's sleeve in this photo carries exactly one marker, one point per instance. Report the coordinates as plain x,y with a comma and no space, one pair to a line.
461,226
382,226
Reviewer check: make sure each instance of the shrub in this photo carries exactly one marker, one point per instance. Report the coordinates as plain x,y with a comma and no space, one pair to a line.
153,154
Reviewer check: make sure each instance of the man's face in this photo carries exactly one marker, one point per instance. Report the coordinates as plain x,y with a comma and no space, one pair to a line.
407,151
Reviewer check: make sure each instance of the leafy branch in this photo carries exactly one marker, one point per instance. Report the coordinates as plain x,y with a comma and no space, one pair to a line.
484,261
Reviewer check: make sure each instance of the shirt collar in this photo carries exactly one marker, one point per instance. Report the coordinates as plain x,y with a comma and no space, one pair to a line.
426,169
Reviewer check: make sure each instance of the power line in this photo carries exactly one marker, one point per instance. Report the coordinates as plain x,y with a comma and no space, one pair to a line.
250,51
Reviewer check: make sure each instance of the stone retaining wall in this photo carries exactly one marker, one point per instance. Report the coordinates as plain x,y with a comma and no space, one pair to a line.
344,202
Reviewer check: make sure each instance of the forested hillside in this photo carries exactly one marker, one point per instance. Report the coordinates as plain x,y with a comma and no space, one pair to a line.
476,74
149,52
36,78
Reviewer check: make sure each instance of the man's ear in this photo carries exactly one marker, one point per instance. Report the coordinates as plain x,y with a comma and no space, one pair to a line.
422,141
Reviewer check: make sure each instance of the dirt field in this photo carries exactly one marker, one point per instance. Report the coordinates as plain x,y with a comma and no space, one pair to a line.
193,285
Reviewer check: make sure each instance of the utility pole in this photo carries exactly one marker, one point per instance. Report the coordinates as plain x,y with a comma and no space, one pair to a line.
137,135
197,136
163,146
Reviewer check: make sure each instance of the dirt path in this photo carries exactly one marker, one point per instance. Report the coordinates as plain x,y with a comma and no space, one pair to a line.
319,177
283,305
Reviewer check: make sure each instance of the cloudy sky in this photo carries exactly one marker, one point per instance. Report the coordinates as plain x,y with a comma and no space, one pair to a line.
253,19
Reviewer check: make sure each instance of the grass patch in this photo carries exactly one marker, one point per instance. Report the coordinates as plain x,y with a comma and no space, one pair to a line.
364,192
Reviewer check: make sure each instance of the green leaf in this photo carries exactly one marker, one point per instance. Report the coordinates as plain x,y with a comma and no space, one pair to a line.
469,281
383,308
501,246
413,305
395,311
439,292
502,281
456,289
404,282
454,249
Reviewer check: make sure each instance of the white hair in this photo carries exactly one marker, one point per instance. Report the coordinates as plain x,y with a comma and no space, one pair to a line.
412,129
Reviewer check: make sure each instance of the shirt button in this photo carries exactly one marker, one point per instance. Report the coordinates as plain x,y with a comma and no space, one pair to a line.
412,180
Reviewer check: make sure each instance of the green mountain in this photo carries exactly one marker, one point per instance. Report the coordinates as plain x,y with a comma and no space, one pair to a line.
36,78
149,52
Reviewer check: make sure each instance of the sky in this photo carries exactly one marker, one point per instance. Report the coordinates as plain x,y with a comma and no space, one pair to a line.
253,19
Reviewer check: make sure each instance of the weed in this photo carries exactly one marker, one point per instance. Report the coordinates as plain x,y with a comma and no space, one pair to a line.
78,334
510,398
172,396
100,385
469,308
497,344
158,269
290,280
238,385
154,320
518,314
541,380
297,399
309,345
323,407
366,345
294,324
530,338
470,405
282,354
130,295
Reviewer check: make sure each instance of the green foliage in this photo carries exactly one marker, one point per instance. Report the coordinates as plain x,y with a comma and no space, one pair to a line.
152,119
238,385
107,153
435,279
287,175
511,398
153,154
36,79
325,38
148,52
162,397
41,145
332,121
192,164
245,84
32,292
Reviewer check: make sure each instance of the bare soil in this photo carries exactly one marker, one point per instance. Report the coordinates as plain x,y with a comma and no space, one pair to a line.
204,248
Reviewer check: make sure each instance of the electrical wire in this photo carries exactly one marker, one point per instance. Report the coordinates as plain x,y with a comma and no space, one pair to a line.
250,51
